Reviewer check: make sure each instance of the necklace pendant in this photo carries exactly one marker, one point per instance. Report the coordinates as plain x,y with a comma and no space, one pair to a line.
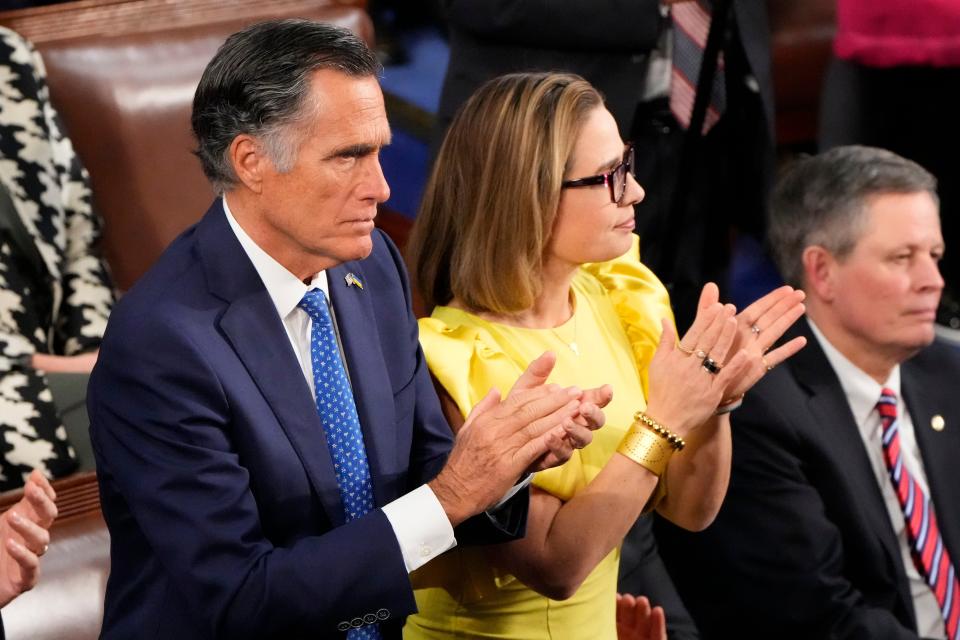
574,348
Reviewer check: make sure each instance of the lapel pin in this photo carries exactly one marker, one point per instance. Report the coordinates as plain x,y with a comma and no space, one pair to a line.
353,281
937,423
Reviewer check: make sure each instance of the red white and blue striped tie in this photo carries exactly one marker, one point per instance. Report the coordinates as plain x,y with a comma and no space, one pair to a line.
929,555
691,24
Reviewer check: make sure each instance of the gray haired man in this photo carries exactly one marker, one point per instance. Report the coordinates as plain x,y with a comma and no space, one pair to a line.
843,514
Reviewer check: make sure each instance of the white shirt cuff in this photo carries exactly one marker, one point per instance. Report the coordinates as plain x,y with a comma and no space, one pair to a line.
421,526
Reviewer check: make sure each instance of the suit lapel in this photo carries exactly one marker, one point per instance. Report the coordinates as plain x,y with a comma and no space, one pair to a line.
372,389
252,327
927,396
835,423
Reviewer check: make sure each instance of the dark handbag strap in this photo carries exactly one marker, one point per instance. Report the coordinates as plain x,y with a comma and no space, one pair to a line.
22,241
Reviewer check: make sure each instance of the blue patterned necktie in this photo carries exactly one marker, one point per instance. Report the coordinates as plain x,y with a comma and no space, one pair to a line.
341,424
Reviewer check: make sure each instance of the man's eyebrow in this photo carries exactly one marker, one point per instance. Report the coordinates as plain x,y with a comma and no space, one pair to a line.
354,151
358,150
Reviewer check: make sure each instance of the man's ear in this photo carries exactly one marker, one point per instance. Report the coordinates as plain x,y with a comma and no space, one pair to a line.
819,271
249,160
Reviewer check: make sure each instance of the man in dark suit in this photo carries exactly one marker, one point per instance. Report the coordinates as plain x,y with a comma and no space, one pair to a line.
273,465
844,459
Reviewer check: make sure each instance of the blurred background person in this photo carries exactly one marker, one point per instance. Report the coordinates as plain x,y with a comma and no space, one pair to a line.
892,84
525,243
55,292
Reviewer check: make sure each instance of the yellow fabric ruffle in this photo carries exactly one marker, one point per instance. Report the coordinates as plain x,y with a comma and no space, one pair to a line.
465,360
641,301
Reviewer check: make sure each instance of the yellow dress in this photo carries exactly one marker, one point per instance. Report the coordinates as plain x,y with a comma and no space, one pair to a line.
615,327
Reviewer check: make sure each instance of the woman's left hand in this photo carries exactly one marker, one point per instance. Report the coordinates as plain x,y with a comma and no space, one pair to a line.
579,430
759,326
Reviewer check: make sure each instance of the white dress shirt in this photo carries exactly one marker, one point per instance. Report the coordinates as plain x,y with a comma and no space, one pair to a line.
862,393
419,522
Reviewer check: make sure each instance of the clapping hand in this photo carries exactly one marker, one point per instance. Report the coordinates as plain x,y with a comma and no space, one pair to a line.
24,537
534,426
577,432
688,380
759,326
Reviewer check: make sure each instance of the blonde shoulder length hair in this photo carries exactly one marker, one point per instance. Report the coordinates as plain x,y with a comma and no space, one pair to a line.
492,197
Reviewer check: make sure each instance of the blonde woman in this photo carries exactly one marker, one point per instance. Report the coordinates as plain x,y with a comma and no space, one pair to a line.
524,242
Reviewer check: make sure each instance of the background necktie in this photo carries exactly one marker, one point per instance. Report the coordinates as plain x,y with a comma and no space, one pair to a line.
691,24
929,555
341,424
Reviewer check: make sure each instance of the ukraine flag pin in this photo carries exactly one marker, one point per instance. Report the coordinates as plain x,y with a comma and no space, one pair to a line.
353,281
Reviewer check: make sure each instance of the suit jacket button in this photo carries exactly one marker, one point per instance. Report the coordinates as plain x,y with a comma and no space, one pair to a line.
370,618
343,626
383,614
937,423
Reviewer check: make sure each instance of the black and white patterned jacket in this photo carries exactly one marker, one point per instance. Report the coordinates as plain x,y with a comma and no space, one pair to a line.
50,191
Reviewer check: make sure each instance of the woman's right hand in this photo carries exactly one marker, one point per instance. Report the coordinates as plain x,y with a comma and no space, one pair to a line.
683,393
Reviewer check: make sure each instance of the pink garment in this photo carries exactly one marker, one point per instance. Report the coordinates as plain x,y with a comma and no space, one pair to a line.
888,33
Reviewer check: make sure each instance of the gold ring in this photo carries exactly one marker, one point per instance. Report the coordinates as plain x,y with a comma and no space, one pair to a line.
683,349
768,366
754,329
44,550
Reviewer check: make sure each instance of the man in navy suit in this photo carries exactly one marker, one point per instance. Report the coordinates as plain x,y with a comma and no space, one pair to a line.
239,505
815,539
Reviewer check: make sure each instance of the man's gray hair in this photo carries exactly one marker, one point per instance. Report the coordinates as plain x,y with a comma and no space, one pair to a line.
821,201
257,84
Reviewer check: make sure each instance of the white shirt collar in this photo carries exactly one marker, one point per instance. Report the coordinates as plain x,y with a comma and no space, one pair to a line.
285,289
861,390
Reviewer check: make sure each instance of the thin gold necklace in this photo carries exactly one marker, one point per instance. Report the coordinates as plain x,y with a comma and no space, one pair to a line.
570,343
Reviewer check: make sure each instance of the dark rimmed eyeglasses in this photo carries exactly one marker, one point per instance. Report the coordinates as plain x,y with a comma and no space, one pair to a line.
616,180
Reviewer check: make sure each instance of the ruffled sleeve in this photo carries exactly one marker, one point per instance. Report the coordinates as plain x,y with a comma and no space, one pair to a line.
465,360
640,300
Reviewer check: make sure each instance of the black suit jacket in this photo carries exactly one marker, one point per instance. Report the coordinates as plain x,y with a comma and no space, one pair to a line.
803,546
